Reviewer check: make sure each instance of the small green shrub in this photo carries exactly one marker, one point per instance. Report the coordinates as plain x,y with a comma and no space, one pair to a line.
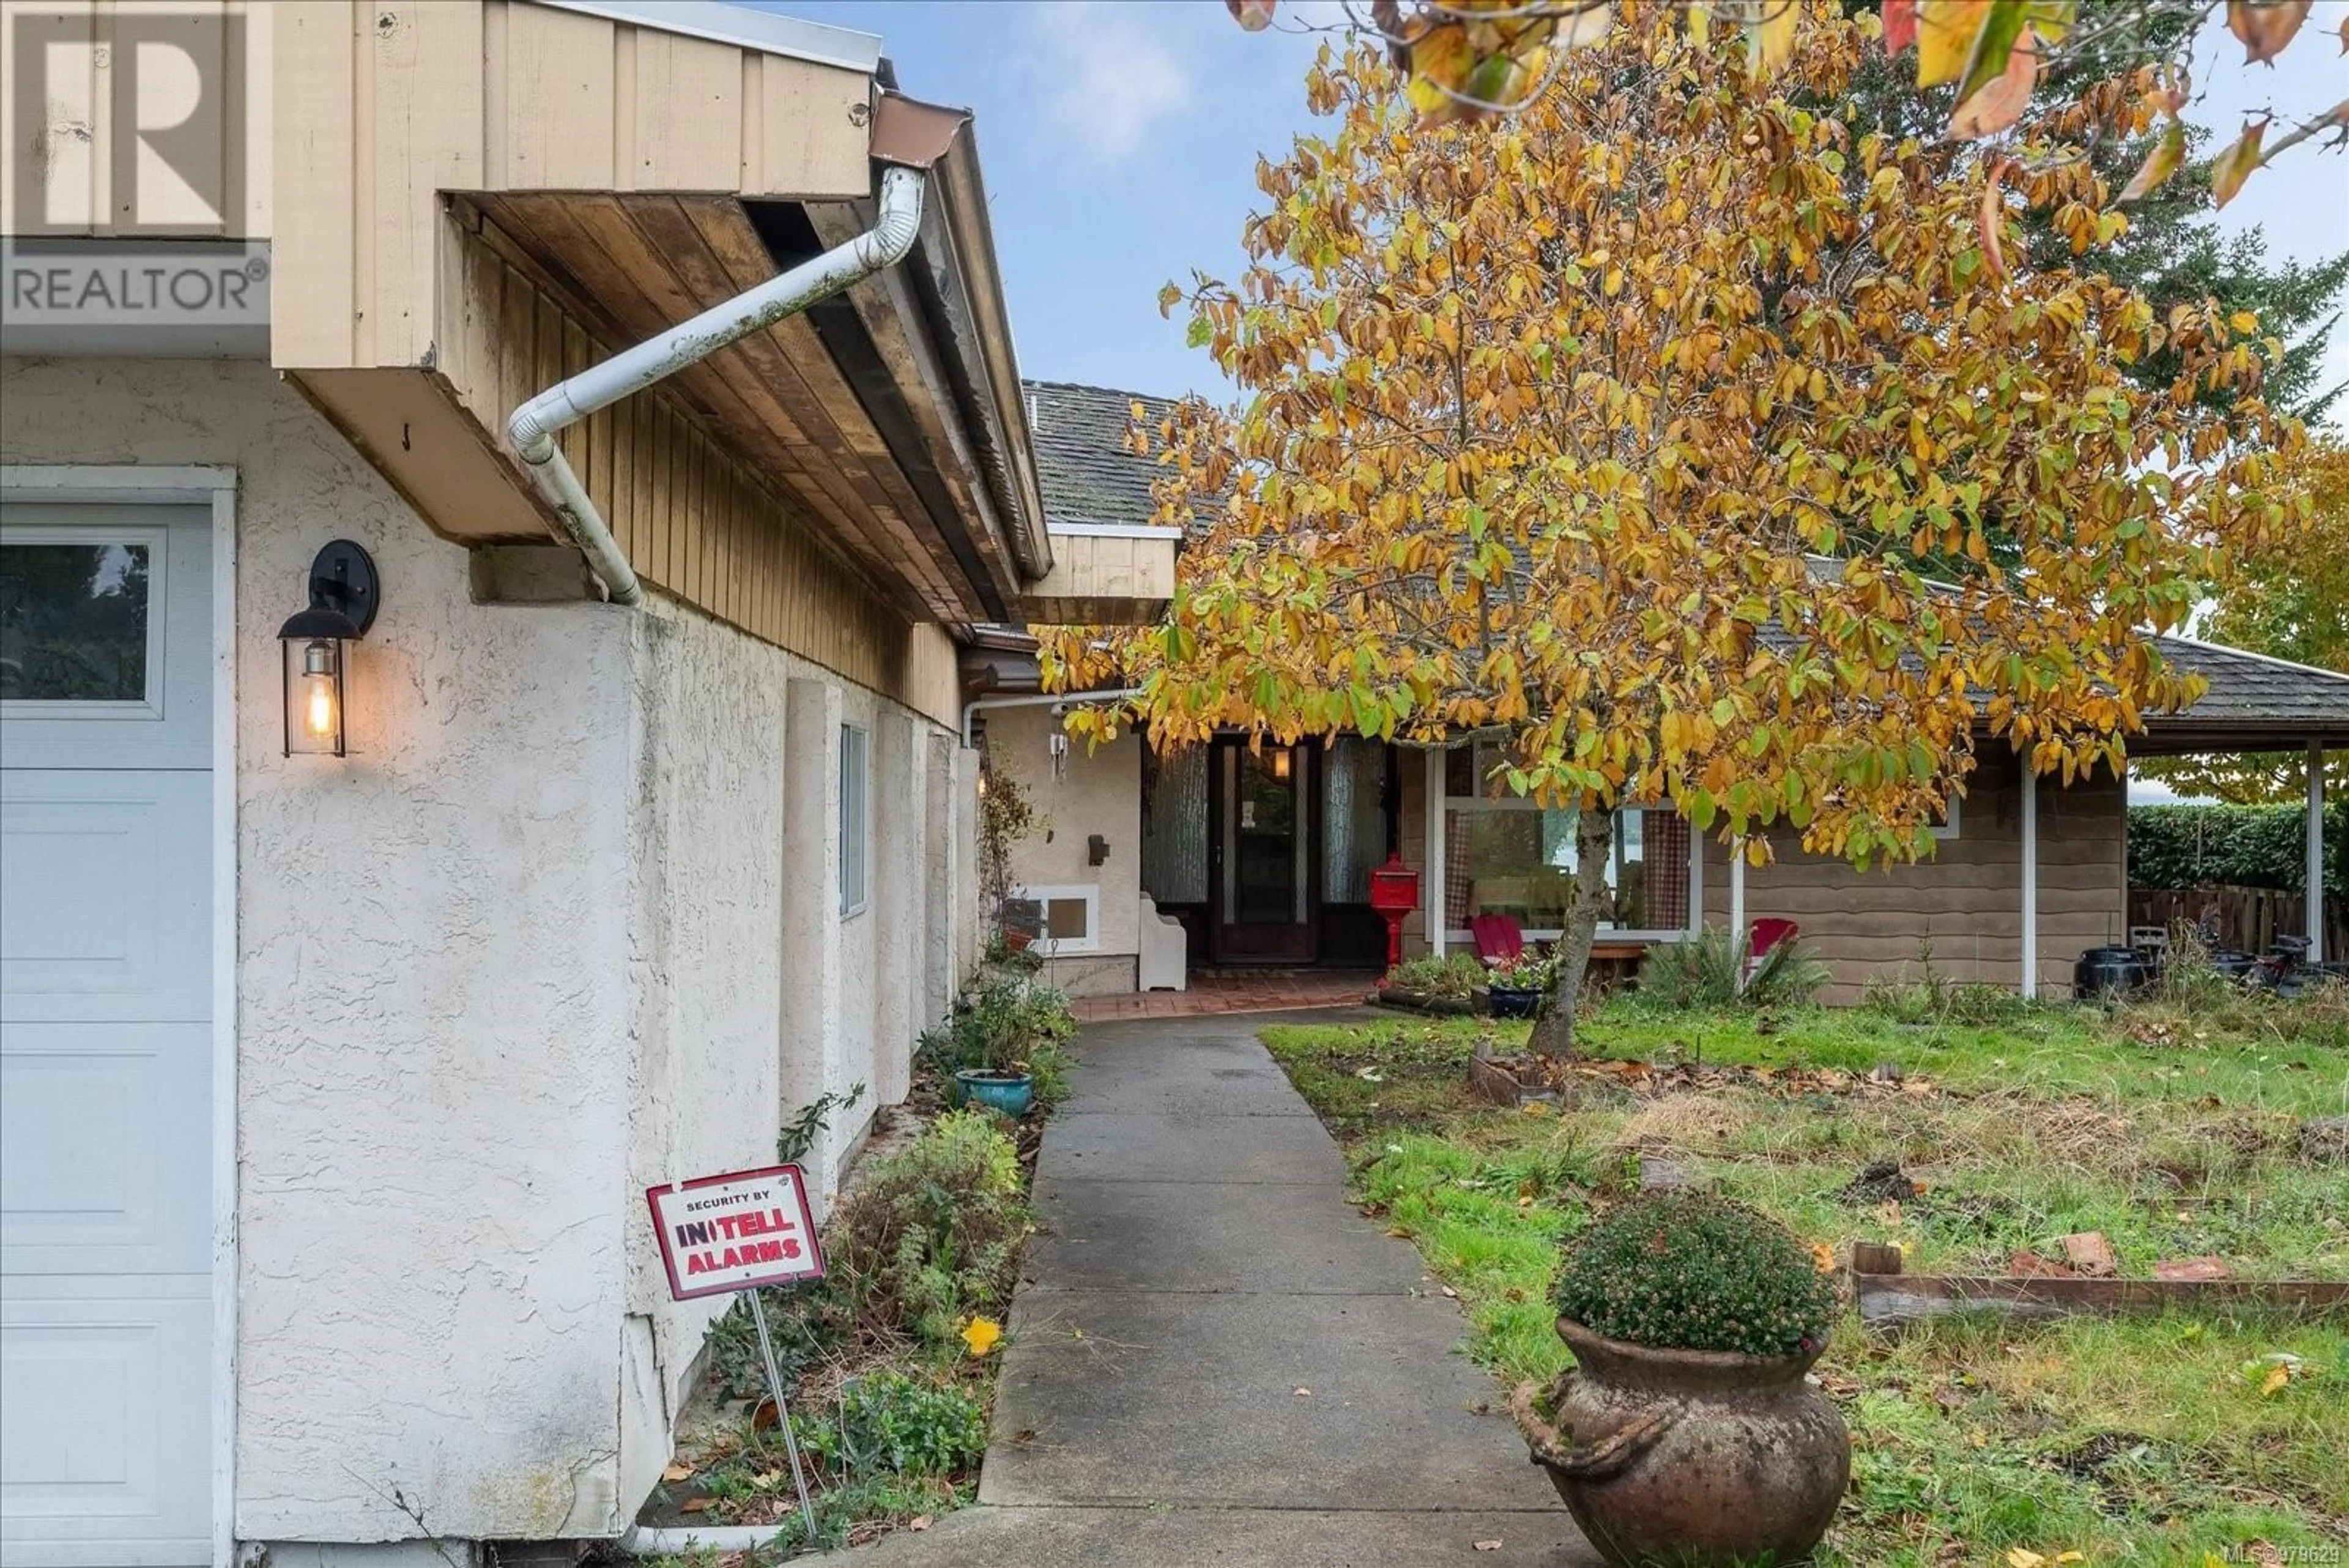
1702,971
1003,1022
888,1422
932,1235
1927,996
1452,976
1528,973
1686,1271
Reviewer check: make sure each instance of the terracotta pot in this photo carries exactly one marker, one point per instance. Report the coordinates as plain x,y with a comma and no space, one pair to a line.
1691,1458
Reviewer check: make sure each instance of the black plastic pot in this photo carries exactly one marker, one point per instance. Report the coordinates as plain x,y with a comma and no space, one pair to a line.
1513,1002
2102,972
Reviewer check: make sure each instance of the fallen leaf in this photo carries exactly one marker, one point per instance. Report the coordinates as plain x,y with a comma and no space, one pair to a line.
693,1505
1305,1393
2088,1252
982,1335
920,1522
1822,1257
2030,1265
2016,1557
1486,1545
677,1472
1452,1293
2276,1378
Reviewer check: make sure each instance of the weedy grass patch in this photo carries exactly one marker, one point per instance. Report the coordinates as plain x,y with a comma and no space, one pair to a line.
2173,1439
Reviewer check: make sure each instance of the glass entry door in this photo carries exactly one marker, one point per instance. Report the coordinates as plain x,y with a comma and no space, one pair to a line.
1266,858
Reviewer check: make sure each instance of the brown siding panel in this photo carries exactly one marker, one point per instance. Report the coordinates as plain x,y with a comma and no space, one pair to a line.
1966,902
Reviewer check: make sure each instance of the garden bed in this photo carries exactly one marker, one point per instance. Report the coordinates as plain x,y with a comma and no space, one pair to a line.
891,1358
2202,1431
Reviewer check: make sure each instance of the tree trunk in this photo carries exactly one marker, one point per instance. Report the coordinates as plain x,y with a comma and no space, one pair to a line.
1594,848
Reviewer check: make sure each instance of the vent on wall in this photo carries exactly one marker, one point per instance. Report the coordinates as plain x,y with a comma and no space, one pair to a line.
1068,918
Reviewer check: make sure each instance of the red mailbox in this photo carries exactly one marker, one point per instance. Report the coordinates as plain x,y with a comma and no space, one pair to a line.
1394,893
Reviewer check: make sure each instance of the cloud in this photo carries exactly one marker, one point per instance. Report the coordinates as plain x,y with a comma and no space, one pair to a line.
1108,73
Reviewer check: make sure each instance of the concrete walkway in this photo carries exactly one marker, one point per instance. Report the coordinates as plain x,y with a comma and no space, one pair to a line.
1215,1360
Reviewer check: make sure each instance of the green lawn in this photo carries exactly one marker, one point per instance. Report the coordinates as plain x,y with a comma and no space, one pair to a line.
2129,1441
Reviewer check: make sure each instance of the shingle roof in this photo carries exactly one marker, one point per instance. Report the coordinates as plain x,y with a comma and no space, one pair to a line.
2251,689
1083,466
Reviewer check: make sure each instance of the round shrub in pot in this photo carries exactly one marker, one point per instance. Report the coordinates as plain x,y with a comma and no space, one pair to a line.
1687,1434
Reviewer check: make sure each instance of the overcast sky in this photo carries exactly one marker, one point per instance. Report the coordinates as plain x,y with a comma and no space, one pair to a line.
1119,141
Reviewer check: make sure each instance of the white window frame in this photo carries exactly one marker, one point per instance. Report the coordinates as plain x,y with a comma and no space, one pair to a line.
1461,937
1947,828
1087,893
149,708
855,819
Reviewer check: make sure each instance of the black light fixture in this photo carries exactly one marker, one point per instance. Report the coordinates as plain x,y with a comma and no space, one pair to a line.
344,594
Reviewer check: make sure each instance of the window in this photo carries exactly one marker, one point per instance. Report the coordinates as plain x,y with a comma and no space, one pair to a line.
76,624
1504,855
855,814
1947,828
1066,919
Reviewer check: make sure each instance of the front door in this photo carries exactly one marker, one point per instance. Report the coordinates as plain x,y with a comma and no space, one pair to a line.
106,998
1264,861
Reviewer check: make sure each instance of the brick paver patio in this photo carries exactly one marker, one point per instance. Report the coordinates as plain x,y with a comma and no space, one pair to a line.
1236,990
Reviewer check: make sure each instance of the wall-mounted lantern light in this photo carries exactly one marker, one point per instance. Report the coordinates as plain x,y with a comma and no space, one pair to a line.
344,594
1280,765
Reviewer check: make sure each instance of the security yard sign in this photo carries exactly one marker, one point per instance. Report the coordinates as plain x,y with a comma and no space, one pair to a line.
742,1230
738,1231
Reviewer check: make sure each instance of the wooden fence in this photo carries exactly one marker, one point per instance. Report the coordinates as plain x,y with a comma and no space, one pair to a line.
2249,918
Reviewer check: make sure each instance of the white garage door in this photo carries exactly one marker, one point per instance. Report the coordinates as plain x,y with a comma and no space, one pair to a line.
105,1035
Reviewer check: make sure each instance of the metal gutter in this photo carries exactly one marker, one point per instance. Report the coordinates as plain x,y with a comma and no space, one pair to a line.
533,425
743,27
974,708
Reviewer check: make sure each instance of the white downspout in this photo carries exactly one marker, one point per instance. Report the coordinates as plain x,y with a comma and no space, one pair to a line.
2315,897
532,429
2030,877
971,709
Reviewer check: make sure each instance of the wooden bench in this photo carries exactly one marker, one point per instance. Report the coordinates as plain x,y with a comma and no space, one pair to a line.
1613,964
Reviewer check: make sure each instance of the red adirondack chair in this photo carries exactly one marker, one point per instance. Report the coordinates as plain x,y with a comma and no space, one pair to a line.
1499,939
1767,934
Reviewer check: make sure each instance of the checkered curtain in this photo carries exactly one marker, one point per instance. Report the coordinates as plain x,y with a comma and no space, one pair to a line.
1458,885
1666,835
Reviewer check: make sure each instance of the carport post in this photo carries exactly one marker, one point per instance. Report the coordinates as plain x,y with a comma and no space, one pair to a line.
2315,897
2030,878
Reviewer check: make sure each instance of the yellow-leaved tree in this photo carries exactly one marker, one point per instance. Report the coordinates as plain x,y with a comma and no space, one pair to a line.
1628,428
2290,599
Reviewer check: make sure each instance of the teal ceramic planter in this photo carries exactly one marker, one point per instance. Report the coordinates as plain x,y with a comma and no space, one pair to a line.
1009,1092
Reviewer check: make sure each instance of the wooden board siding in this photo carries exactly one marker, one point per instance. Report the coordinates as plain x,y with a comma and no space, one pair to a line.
697,520
381,108
65,172
1103,577
1967,902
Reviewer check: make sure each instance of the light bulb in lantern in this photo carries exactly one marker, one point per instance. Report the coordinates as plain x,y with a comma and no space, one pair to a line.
318,690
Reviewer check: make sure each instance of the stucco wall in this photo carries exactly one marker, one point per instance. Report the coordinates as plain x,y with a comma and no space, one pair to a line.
529,948
1098,792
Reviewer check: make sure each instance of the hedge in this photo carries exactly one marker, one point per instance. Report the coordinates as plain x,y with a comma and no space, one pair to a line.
2232,846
